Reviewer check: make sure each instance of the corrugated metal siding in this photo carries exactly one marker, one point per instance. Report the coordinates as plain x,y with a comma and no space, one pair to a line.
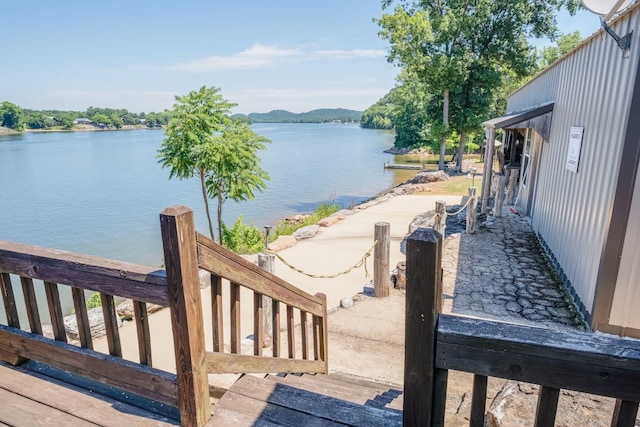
624,311
531,95
593,90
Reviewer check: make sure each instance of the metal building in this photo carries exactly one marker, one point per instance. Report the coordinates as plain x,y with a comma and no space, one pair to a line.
573,133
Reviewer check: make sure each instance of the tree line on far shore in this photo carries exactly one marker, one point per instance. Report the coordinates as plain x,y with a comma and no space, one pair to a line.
14,117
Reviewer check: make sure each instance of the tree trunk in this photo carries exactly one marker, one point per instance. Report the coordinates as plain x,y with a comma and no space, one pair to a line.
445,122
206,203
463,139
220,215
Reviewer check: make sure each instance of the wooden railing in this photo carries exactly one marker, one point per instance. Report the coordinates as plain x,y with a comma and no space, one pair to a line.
81,272
178,288
436,343
312,311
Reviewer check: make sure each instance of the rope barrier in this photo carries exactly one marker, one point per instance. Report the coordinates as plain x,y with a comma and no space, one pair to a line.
461,209
360,263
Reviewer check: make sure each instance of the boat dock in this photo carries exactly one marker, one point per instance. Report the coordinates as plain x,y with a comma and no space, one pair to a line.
403,166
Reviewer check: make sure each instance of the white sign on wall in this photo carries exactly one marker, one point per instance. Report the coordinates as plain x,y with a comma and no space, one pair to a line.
575,145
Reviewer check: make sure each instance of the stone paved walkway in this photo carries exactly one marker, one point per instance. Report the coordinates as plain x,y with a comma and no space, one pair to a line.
501,273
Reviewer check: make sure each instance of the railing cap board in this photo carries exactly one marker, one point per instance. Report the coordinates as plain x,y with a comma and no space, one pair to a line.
119,278
565,344
590,363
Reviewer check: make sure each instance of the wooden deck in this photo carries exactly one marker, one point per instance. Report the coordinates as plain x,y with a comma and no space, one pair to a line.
309,400
33,399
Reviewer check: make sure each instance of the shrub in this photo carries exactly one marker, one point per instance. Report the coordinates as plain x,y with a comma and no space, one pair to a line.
242,238
94,301
248,239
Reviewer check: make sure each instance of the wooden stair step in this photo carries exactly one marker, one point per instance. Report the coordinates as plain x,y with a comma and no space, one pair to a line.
393,394
360,391
364,383
239,410
287,402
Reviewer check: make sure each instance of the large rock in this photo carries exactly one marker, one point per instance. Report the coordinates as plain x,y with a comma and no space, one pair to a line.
426,177
282,242
306,232
516,402
333,219
96,323
125,309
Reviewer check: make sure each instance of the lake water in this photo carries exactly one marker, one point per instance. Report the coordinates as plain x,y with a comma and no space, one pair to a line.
100,193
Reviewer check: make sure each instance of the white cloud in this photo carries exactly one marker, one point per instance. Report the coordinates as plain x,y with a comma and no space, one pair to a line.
257,56
350,54
260,56
314,93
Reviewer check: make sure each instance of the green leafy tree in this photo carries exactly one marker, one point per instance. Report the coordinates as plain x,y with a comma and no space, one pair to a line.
451,45
379,115
11,116
116,121
101,119
410,115
202,140
35,120
565,43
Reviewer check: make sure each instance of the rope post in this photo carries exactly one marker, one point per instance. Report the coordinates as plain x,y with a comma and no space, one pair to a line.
381,277
472,210
267,262
440,220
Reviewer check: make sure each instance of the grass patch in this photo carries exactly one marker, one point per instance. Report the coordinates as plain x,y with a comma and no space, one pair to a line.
455,185
248,239
286,228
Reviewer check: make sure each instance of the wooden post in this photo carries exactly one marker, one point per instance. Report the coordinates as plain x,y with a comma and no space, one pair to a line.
488,169
511,190
381,276
497,209
472,210
267,262
440,220
423,305
183,282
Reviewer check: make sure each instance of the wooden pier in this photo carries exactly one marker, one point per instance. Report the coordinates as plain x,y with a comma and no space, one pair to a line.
403,166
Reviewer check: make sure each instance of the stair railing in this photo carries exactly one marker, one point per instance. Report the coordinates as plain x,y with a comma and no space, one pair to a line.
186,253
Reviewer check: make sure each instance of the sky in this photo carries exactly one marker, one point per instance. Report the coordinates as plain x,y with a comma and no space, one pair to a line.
293,55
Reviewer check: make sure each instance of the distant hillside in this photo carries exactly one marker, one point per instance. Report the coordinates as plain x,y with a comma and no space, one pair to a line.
323,115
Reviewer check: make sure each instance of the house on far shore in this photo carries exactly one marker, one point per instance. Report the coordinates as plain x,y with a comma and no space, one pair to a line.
82,121
572,135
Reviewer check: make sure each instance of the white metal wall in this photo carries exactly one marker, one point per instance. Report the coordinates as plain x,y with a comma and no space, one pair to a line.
591,87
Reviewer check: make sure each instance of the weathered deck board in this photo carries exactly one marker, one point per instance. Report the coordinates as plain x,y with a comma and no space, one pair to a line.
22,411
276,399
31,399
239,410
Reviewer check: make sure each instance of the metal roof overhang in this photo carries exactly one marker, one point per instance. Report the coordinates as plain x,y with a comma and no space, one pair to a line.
513,119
